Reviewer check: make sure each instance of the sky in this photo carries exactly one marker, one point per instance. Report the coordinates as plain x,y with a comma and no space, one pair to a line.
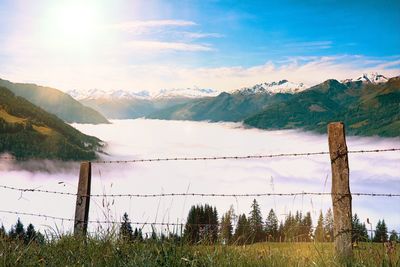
224,45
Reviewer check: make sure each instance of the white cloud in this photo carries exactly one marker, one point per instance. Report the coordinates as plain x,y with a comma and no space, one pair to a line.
310,45
159,46
122,75
143,25
200,35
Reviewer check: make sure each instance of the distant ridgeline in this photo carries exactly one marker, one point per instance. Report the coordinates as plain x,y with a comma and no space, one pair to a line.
366,108
27,131
368,105
55,102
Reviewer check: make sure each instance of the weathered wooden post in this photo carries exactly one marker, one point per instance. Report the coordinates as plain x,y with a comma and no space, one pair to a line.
83,200
341,196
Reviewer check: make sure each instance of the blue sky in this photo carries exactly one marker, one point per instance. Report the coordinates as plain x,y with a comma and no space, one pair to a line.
220,44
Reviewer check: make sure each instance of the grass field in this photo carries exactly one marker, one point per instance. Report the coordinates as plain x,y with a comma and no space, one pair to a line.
69,251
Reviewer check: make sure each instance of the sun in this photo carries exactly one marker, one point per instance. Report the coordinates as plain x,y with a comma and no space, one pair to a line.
72,22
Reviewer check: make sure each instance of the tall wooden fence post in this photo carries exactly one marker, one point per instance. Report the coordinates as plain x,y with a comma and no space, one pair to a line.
341,196
83,200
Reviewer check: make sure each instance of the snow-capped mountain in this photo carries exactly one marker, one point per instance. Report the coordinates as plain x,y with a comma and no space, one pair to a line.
103,94
121,94
185,92
368,78
283,86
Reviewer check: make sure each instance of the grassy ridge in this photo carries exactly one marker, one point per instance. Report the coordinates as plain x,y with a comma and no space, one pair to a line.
56,102
27,131
70,251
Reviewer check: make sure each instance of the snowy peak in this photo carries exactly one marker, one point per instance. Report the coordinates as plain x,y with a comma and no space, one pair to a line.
283,86
121,94
103,94
186,92
368,78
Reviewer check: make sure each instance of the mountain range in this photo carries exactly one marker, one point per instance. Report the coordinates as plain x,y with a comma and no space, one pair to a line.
56,102
366,108
368,104
28,131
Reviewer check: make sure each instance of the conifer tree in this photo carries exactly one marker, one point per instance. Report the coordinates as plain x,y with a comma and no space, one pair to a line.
381,234
3,233
328,226
359,233
290,227
319,234
226,227
281,233
256,223
242,230
125,231
394,237
306,228
17,231
271,226
202,224
30,234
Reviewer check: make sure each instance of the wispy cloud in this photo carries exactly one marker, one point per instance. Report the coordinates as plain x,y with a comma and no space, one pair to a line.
200,35
173,75
142,25
167,46
310,45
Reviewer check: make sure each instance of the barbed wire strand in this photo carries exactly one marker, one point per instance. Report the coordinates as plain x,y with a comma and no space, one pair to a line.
240,157
138,223
200,194
228,157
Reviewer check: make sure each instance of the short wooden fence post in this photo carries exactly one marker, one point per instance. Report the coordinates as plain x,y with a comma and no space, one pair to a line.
83,200
341,196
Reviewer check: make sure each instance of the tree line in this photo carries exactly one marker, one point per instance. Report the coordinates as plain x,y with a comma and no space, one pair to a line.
203,226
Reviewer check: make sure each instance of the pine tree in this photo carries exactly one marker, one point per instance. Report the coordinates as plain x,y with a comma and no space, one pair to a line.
125,231
394,237
256,223
242,230
271,226
3,233
17,231
319,230
30,234
306,227
226,227
201,224
328,226
290,228
381,232
360,232
281,232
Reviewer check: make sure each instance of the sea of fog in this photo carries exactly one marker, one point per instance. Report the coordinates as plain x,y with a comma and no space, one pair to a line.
140,138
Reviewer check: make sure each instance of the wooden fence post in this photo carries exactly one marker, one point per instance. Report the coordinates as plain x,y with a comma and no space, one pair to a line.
341,196
83,200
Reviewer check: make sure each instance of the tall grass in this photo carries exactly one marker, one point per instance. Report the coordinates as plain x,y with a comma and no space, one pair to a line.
68,250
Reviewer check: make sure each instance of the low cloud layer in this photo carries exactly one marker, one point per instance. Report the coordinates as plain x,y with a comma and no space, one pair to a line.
131,139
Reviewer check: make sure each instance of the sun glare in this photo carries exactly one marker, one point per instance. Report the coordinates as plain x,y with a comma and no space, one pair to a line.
72,23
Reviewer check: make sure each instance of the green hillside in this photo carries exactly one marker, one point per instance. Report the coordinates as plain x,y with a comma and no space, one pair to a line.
55,102
224,107
132,108
366,109
27,131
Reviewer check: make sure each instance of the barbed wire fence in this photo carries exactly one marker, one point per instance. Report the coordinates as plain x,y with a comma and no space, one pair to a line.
83,195
269,194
